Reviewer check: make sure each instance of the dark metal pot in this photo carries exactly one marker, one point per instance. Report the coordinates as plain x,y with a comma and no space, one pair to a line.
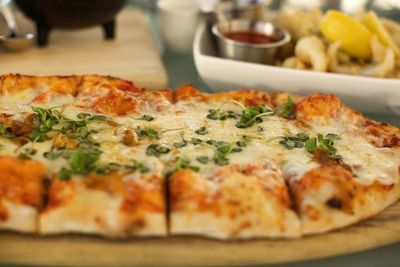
71,14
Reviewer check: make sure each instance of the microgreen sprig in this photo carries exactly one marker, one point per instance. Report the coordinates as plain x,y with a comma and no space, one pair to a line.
294,141
222,151
146,117
181,143
287,110
252,115
202,130
148,132
325,144
218,114
27,154
181,164
157,150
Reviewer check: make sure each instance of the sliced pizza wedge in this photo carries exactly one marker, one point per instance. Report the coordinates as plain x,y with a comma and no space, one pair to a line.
21,193
353,170
114,205
226,180
236,201
22,179
93,147
120,189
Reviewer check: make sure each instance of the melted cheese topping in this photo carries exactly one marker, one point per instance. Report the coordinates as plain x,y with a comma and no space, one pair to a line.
180,122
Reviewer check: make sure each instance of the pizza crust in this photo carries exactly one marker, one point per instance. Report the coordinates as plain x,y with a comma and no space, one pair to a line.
18,217
231,204
329,197
105,209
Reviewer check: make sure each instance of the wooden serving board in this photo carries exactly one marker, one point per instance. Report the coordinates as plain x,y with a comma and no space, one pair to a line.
75,250
132,55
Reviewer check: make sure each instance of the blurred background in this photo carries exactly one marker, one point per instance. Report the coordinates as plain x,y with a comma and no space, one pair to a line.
177,62
389,8
153,47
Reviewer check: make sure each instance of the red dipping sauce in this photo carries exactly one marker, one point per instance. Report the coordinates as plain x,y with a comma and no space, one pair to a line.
251,37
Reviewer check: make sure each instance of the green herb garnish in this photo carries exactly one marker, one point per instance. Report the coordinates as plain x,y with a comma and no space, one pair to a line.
27,154
180,144
47,117
203,159
244,142
252,115
39,135
156,150
325,144
149,132
217,114
64,174
82,162
220,156
287,110
136,165
182,163
202,130
52,155
196,141
241,143
295,141
45,120
146,117
216,143
90,117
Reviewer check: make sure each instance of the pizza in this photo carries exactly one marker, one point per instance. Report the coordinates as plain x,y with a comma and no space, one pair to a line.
98,155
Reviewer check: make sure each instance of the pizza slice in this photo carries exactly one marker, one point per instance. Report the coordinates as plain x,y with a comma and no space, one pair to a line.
236,201
226,180
21,193
115,204
90,134
22,179
350,174
111,184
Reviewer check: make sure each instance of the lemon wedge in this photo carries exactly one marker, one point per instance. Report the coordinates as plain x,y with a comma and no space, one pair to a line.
372,22
352,34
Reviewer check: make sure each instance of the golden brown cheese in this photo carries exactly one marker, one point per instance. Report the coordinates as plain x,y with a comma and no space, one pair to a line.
106,204
386,135
327,106
14,83
246,97
21,181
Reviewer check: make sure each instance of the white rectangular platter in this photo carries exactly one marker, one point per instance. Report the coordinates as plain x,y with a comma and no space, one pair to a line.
370,95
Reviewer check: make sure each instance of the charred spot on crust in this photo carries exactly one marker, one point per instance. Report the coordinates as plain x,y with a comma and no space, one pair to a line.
46,183
3,213
334,203
136,225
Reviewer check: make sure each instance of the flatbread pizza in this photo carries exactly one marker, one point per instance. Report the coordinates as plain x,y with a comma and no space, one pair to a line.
98,155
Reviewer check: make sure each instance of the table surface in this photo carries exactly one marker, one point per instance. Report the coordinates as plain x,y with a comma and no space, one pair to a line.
181,70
